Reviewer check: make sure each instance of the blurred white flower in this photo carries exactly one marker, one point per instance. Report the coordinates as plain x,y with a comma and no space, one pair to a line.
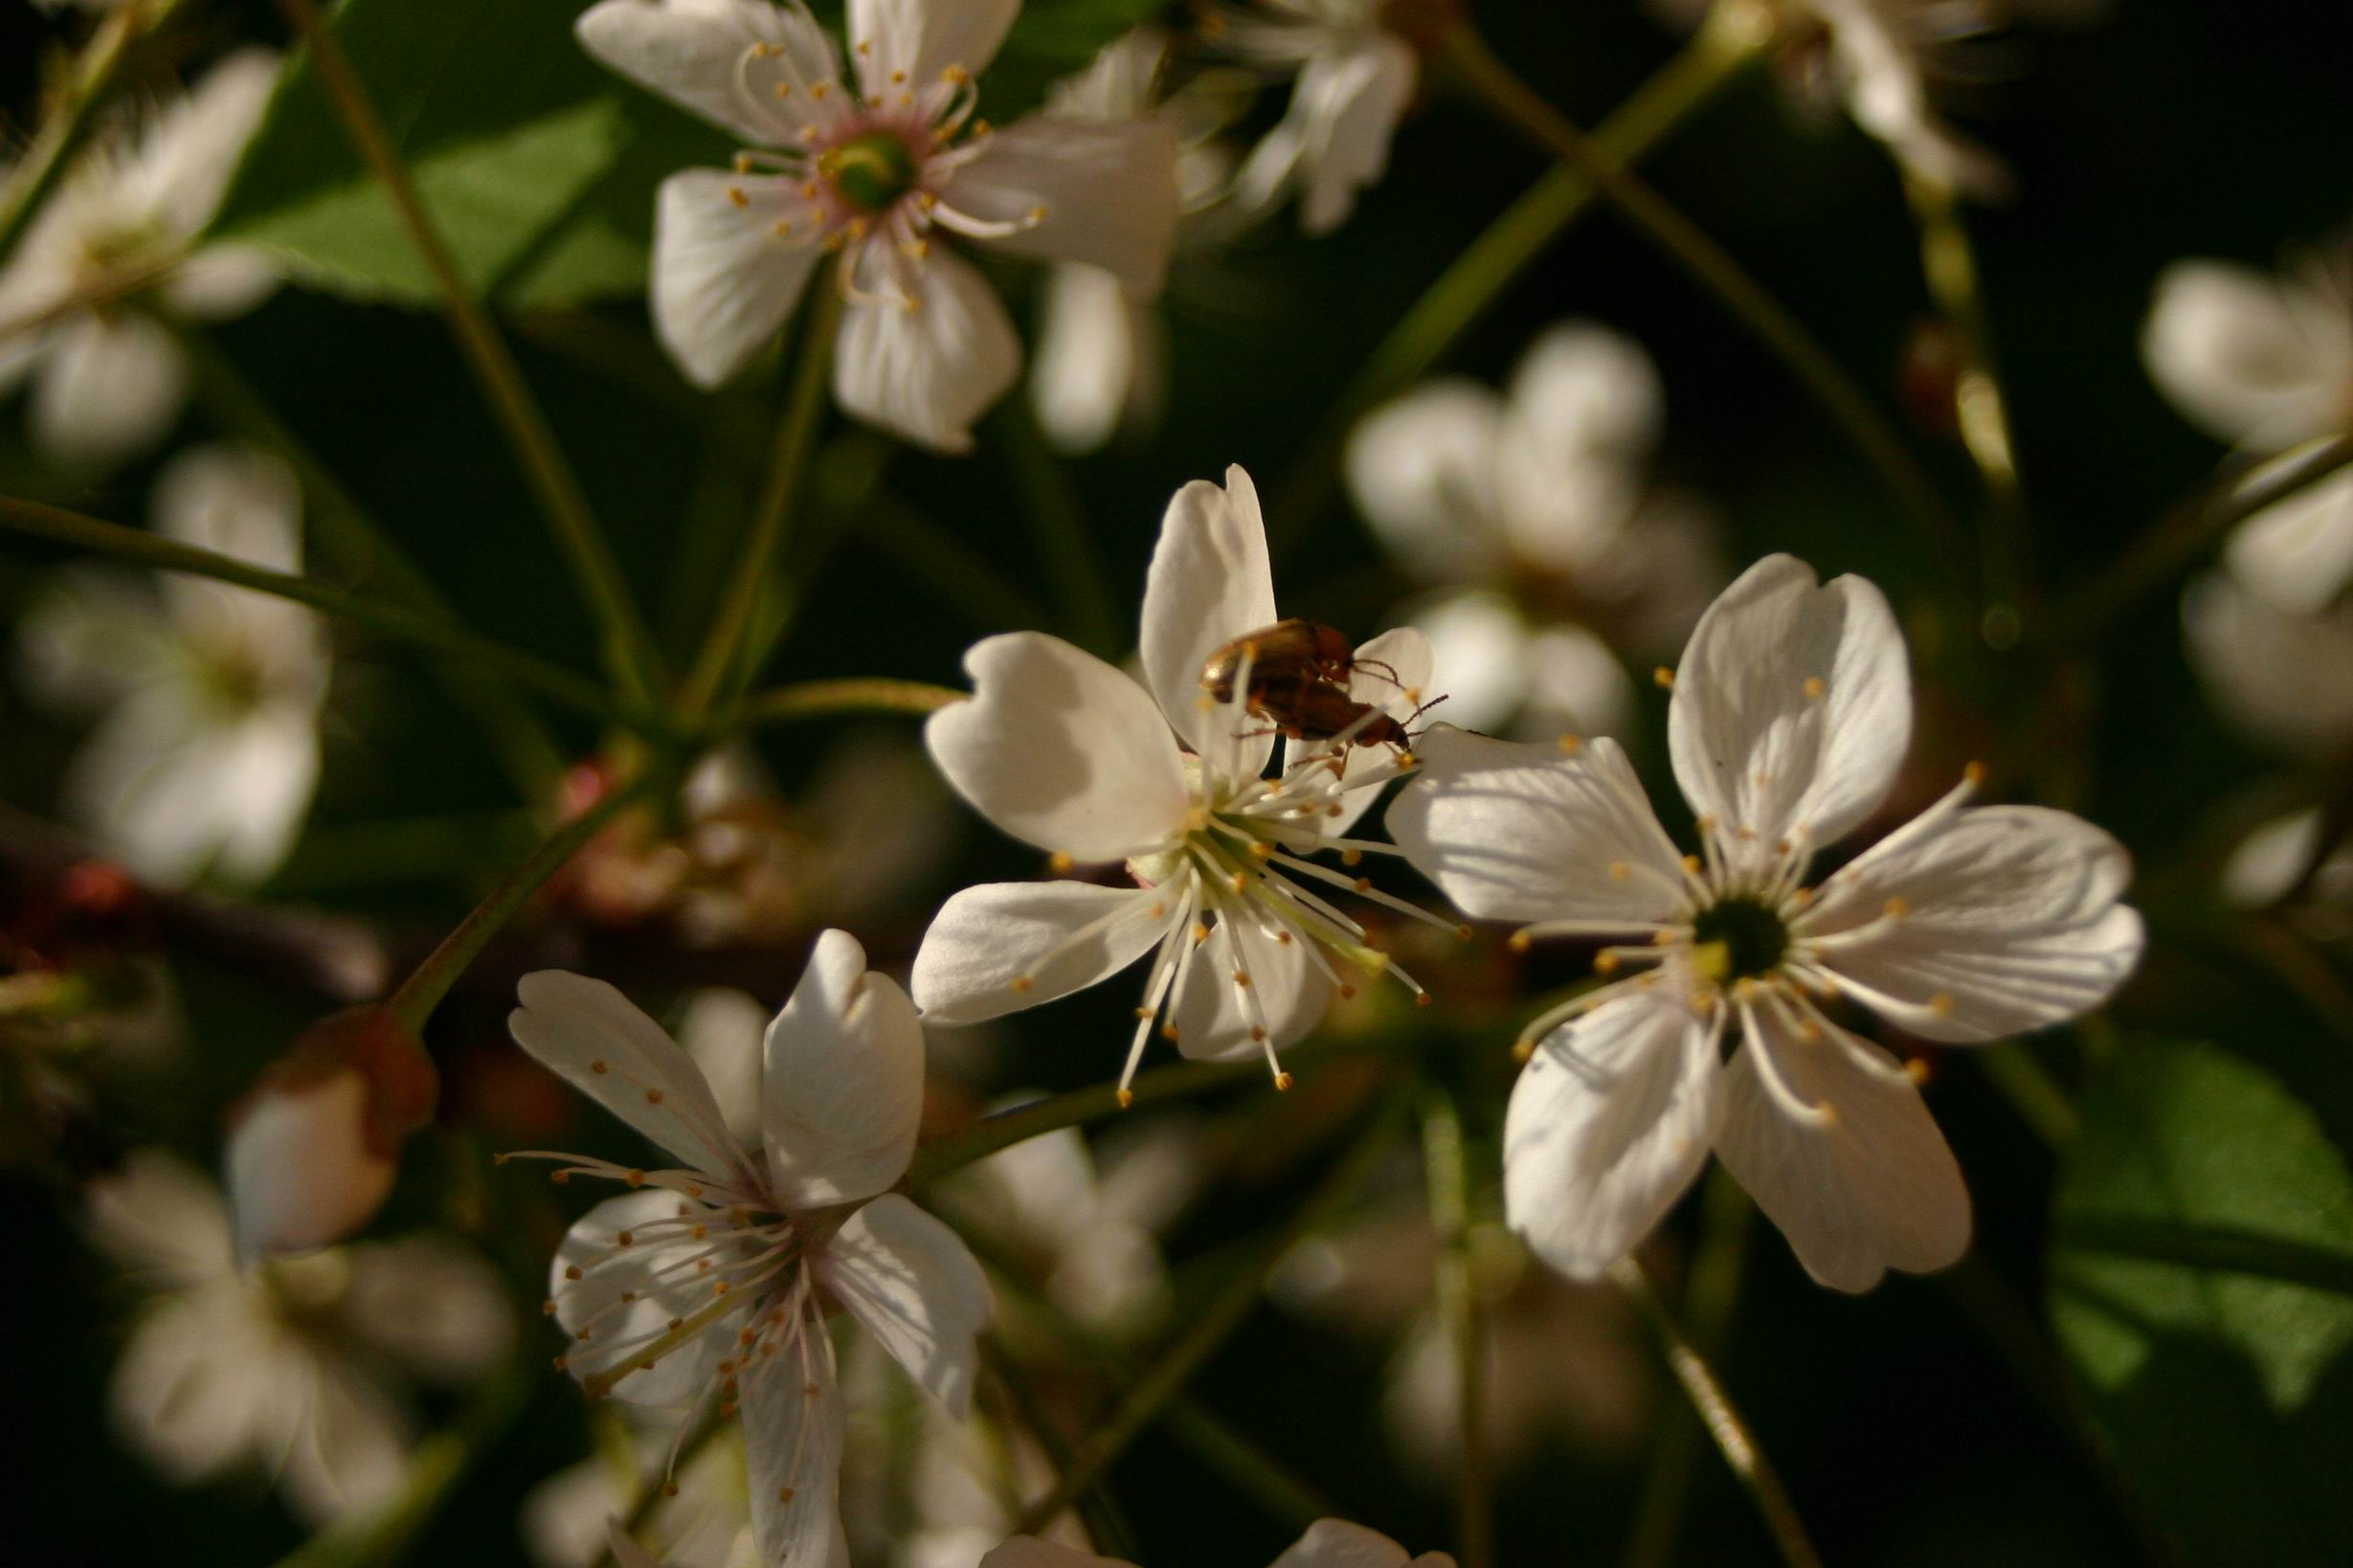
111,252
2269,862
925,347
706,1524
207,752
295,1367
1792,711
1535,512
1329,1543
710,1284
1087,1230
2284,676
1563,1359
1352,80
2266,364
1065,753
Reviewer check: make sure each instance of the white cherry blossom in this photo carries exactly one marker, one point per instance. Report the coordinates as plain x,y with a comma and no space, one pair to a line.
1329,1543
284,1367
112,251
1352,77
1792,711
1535,513
709,1284
1063,751
875,171
208,751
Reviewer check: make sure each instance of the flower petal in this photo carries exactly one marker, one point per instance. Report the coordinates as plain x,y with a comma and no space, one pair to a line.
303,1167
1576,685
1210,582
433,1307
162,1222
2283,676
1062,750
795,1427
1875,1188
918,1290
925,37
1103,191
1754,745
2245,356
843,1085
1101,358
108,387
698,54
2297,552
927,372
1346,107
1336,1543
627,1295
194,1387
595,1040
1583,388
1422,471
2010,923
1609,1123
985,939
1392,673
724,279
1511,831
189,150
219,282
724,1030
344,1446
1286,994
1030,1552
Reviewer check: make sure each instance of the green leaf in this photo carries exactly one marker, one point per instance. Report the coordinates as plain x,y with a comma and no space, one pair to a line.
538,165
2202,1285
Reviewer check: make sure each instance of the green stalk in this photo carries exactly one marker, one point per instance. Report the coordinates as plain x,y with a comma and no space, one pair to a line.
855,694
1448,1175
1437,320
1165,1380
628,649
142,549
1058,529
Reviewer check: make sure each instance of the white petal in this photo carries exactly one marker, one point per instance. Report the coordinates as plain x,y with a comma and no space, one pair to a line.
626,1552
436,1307
191,149
1393,673
1062,750
655,1272
1875,1189
986,938
108,387
1584,387
929,372
694,53
595,1040
1481,643
345,1451
844,1080
1100,358
239,501
1209,583
193,1389
1286,994
794,1430
722,1030
924,37
1106,189
1576,685
1336,1543
2298,552
724,279
2012,923
1518,832
1609,1123
2270,861
1347,105
2245,356
2284,676
219,282
1752,747
918,1290
1030,1552
302,1168
162,1221
270,770
1424,471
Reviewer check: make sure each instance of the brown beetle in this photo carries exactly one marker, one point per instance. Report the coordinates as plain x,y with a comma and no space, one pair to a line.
1289,653
1314,710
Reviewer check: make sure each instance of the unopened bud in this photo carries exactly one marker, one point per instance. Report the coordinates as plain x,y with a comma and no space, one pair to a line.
314,1146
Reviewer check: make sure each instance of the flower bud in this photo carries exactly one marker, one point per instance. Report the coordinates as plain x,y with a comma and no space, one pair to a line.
314,1146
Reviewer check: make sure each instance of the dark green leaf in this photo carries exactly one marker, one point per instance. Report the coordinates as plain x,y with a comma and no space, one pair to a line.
2202,1284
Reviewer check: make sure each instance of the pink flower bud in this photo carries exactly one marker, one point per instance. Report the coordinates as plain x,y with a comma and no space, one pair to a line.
314,1146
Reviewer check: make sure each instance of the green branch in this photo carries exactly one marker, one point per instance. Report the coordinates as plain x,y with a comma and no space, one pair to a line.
1447,1172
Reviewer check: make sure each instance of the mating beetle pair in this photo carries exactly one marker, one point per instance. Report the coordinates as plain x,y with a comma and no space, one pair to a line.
1299,674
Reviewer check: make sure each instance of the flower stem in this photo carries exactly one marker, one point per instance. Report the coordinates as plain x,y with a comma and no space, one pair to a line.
1723,1420
1715,269
364,550
85,88
1058,529
1949,263
820,699
2037,1097
1217,1319
1437,321
418,996
722,665
1447,1174
628,647
407,625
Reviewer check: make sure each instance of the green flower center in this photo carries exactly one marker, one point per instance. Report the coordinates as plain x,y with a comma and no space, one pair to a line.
1738,939
871,171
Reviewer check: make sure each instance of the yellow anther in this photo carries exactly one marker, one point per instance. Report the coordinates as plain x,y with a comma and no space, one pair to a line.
1200,932
1239,881
1943,1004
1352,857
1519,941
1898,908
1814,689
1258,1036
1059,862
1022,982
1828,1112
784,229
1619,871
735,195
653,1097
1462,934
1522,1050
1665,677
562,1361
1693,864
1917,1069
1570,744
1606,963
598,1068
572,1271
1127,1098
1282,1081
1974,774
1363,884
1241,979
